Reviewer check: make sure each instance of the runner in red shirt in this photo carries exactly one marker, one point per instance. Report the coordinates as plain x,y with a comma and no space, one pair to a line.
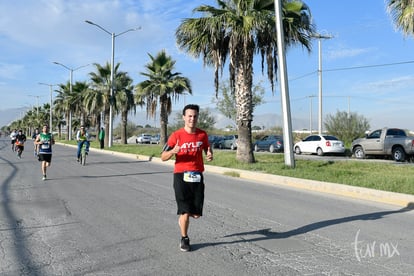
187,145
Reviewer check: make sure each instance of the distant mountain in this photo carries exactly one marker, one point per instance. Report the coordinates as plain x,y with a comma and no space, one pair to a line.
267,120
9,115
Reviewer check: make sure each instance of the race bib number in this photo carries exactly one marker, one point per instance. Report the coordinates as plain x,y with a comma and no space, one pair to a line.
45,146
192,177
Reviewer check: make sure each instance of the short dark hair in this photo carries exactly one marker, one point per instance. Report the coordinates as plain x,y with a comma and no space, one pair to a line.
192,107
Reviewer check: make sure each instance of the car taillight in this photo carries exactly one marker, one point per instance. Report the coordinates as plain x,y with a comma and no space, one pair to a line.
328,143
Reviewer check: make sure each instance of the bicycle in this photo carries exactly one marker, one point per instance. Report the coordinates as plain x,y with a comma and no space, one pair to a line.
84,153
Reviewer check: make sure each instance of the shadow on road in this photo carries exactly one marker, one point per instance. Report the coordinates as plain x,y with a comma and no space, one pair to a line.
267,234
110,175
21,251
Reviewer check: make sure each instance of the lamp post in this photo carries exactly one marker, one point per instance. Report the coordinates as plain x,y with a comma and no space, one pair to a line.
310,114
70,90
51,103
113,35
320,37
284,87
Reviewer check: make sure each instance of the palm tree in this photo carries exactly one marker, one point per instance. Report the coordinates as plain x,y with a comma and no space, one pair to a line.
402,12
101,84
79,90
62,104
237,30
161,87
124,101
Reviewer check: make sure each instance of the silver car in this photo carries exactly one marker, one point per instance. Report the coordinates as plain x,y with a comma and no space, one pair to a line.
144,139
228,142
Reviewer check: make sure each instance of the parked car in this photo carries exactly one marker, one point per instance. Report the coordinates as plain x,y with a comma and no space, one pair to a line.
386,142
214,140
320,144
272,143
144,139
155,139
228,142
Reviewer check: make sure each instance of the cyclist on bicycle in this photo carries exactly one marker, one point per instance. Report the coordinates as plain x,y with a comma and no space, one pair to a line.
19,143
82,136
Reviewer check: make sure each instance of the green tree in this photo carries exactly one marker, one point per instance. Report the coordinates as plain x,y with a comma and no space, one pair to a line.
162,86
101,85
346,126
62,104
205,120
237,30
226,102
402,13
130,129
79,90
124,101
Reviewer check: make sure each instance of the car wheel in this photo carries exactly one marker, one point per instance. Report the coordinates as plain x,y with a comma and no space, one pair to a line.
256,148
232,147
359,153
319,152
297,150
398,154
272,148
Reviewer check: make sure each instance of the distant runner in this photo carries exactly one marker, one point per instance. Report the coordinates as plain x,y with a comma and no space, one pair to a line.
45,141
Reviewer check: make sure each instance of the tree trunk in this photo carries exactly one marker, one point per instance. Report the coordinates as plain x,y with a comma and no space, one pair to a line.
60,130
106,121
243,62
67,125
124,121
163,123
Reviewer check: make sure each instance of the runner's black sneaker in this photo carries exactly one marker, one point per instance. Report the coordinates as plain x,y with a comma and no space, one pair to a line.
185,244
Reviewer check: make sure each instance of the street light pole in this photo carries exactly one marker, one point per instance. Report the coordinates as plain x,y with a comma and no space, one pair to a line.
70,90
310,114
320,37
284,87
113,35
51,104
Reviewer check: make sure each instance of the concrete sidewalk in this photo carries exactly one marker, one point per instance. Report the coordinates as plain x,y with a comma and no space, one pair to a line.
398,199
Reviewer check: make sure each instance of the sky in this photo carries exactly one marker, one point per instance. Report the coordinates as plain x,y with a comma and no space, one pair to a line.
367,65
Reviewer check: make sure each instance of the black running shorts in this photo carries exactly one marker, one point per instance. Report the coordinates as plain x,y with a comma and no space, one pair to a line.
45,157
189,195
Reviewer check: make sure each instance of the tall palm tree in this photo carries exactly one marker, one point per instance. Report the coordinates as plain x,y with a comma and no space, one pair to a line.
161,87
62,104
79,90
237,30
124,101
101,84
402,12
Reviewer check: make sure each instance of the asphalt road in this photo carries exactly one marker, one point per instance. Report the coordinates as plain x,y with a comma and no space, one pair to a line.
117,216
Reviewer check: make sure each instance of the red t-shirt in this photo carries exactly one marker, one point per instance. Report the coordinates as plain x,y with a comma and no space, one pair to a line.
190,156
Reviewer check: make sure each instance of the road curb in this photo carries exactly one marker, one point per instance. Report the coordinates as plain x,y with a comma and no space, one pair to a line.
355,192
